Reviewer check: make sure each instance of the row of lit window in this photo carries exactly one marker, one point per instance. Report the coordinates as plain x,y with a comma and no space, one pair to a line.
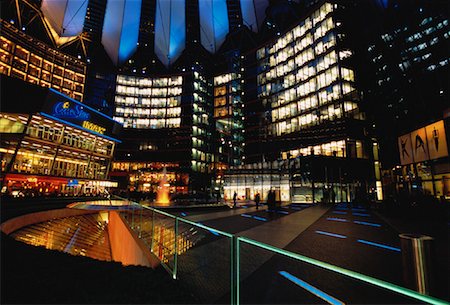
300,30
294,109
153,102
301,60
304,53
145,112
333,148
224,78
149,82
299,122
322,80
149,123
147,92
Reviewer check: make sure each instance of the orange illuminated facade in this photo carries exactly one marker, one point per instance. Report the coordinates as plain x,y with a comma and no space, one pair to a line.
30,60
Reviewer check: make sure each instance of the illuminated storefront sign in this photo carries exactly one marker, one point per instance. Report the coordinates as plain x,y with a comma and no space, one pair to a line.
427,143
63,108
93,127
68,110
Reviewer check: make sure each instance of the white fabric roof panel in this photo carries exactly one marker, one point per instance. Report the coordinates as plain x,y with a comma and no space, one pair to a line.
253,13
65,16
121,29
213,23
170,30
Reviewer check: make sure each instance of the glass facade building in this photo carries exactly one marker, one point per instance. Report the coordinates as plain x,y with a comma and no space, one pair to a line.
62,148
309,111
28,59
173,117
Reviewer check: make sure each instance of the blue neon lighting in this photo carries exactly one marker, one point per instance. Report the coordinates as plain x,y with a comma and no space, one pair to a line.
331,234
79,127
259,218
282,212
378,245
359,209
361,214
63,110
170,30
296,208
367,223
213,24
121,29
83,105
337,219
214,233
246,215
183,214
339,212
317,292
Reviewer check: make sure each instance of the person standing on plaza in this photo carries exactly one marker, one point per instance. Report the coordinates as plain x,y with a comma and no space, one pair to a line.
257,200
234,199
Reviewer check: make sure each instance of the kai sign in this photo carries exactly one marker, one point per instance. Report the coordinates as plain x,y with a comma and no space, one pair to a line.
427,143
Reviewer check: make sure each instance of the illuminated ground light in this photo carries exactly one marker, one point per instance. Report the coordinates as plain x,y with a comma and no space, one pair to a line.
378,245
337,219
364,223
331,234
317,292
361,214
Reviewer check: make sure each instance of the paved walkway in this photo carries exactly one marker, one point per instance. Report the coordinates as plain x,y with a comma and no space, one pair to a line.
281,232
227,213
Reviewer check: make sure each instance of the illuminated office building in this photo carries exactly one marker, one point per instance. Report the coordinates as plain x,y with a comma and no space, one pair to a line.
28,59
52,144
167,124
228,115
308,110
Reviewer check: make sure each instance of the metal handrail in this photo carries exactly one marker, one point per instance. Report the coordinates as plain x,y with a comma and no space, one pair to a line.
235,263
352,274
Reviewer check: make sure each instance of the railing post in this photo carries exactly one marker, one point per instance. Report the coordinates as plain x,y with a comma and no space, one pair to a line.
140,222
175,259
234,270
152,236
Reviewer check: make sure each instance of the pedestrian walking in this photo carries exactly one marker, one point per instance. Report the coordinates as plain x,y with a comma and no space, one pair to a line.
234,199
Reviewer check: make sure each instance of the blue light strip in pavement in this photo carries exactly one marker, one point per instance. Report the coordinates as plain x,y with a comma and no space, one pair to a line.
259,218
367,223
337,219
378,245
317,292
246,215
296,208
361,214
339,212
331,234
278,211
282,212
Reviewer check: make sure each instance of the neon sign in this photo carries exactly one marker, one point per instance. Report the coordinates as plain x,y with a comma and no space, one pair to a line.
93,127
64,111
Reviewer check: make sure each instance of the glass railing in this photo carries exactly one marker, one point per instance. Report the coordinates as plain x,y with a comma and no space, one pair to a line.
219,267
